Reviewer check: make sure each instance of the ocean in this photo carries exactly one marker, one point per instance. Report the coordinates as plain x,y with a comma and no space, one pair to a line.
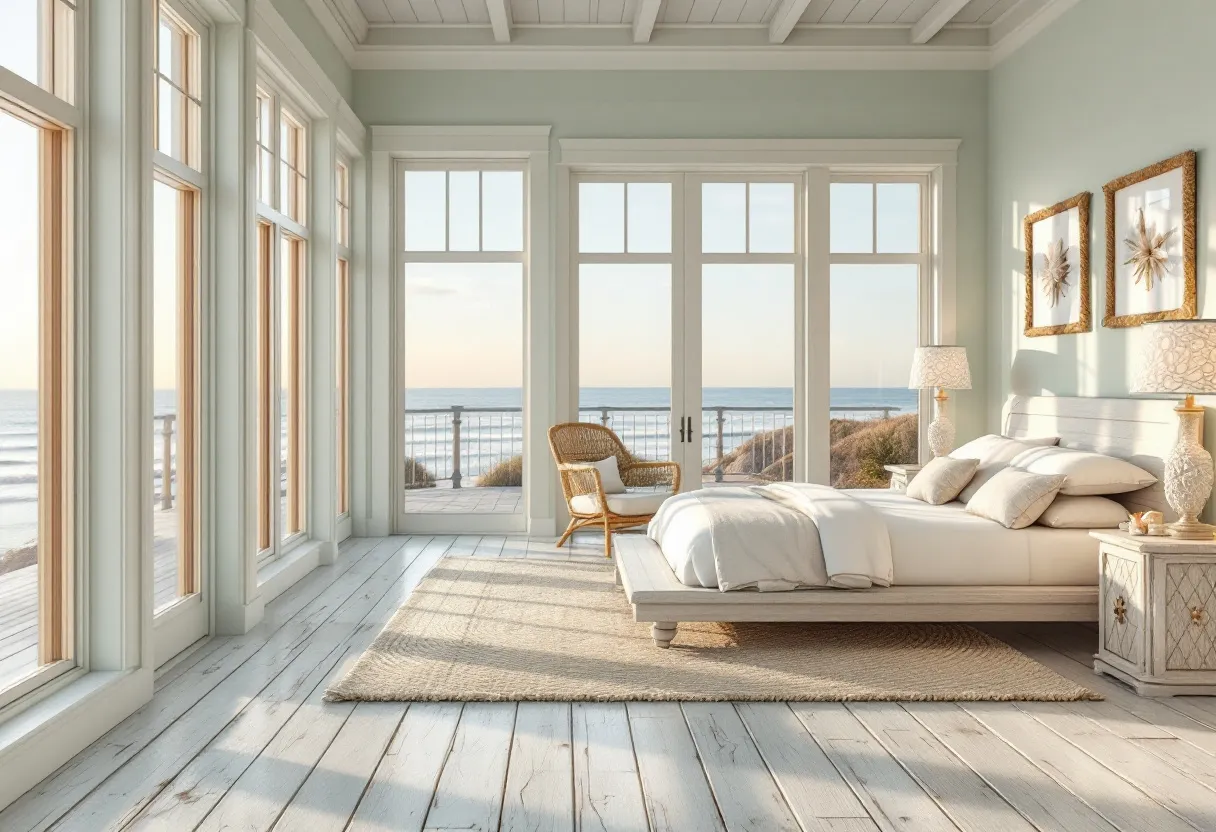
486,437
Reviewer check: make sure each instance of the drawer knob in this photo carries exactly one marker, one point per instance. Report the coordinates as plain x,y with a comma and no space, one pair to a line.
1196,615
1121,609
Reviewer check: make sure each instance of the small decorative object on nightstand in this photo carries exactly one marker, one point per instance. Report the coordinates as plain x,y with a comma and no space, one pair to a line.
901,475
1180,358
1157,613
946,369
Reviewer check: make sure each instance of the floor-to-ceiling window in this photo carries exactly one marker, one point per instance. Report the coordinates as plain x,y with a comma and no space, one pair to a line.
282,233
461,245
176,226
37,138
879,315
342,338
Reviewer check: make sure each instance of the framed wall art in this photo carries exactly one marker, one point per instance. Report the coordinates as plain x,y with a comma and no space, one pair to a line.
1150,244
1057,268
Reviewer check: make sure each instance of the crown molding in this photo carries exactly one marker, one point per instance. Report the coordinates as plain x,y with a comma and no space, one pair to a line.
344,22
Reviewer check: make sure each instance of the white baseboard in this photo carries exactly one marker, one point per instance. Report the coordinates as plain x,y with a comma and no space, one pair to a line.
279,575
45,736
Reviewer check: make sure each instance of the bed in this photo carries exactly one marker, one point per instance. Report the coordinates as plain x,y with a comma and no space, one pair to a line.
1041,574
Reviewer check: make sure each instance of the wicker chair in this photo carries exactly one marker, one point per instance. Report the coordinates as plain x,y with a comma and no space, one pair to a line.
574,445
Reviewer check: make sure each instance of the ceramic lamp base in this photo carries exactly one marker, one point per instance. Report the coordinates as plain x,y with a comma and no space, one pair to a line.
1188,477
941,429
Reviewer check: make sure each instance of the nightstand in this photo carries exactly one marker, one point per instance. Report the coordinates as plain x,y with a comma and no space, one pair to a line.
901,475
1157,613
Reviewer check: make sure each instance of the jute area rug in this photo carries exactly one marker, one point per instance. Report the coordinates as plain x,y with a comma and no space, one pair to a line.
525,630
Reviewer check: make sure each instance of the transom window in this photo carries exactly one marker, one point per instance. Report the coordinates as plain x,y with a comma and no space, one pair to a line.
178,88
39,43
293,178
464,210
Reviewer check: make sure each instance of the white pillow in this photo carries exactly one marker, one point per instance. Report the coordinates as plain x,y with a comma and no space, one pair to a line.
1015,498
941,479
610,475
1034,440
1082,513
1087,472
994,453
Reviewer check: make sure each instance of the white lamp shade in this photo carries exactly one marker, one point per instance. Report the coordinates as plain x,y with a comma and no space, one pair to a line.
944,367
1179,357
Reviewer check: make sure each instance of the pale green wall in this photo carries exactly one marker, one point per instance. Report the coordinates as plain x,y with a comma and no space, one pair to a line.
730,105
310,32
1112,86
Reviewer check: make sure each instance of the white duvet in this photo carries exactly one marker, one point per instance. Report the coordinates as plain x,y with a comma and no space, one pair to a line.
775,537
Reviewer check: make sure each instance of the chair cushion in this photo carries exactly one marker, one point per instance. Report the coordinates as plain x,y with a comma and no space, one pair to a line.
630,504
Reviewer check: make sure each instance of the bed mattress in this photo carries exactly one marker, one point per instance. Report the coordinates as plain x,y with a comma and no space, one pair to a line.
946,546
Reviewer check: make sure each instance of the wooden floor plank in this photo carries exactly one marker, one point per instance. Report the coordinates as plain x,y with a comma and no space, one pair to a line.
1047,804
469,795
272,643
813,788
1125,806
1184,796
968,799
464,546
489,546
514,547
329,796
122,795
540,775
607,791
400,791
676,792
744,790
894,800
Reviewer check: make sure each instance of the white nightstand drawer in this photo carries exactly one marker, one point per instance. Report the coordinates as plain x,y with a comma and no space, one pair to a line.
1190,616
1122,606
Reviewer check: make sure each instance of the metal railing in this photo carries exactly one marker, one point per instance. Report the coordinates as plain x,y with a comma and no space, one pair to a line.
453,443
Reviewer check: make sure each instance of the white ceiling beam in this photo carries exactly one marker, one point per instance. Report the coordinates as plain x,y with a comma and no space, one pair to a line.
785,18
500,19
644,16
935,19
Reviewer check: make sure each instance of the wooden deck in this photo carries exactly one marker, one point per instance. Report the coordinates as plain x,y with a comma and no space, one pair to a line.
19,601
237,737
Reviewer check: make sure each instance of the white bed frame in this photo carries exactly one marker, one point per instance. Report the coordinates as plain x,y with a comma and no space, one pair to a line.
1142,431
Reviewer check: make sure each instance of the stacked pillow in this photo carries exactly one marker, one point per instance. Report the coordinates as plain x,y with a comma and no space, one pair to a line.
1017,482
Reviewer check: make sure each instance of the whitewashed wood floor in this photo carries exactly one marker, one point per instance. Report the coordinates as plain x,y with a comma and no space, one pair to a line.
237,737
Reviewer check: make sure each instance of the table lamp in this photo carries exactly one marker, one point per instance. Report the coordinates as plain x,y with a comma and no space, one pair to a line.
945,368
1180,358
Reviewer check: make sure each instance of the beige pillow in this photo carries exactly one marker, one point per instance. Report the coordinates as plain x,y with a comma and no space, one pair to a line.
994,453
1087,472
1083,513
610,475
941,479
1015,498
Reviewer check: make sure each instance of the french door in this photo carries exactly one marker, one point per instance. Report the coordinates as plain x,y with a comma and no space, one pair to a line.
689,295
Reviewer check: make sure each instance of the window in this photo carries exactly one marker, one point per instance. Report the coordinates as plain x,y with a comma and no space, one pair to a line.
178,89
177,195
36,347
39,44
464,259
342,334
282,263
879,314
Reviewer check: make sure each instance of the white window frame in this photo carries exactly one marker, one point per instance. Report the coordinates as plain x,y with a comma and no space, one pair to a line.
816,161
420,521
42,108
186,619
344,252
925,288
282,226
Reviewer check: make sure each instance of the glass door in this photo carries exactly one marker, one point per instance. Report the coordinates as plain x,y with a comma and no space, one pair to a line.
630,290
742,325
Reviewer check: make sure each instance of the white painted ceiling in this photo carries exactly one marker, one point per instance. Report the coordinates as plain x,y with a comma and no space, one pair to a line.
676,12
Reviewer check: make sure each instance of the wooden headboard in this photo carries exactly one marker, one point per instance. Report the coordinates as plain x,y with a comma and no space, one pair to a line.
1141,431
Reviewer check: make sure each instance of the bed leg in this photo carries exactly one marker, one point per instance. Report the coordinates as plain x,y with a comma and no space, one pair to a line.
663,632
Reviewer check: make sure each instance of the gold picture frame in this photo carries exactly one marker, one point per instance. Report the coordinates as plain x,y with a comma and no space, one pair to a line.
1084,322
1189,306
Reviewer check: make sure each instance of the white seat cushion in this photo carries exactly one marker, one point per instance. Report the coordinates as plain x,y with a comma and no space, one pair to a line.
630,504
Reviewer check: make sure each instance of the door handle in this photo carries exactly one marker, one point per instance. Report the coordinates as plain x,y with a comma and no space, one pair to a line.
682,440
690,433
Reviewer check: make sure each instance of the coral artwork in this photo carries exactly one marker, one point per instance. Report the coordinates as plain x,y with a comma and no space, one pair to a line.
1055,271
1149,259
